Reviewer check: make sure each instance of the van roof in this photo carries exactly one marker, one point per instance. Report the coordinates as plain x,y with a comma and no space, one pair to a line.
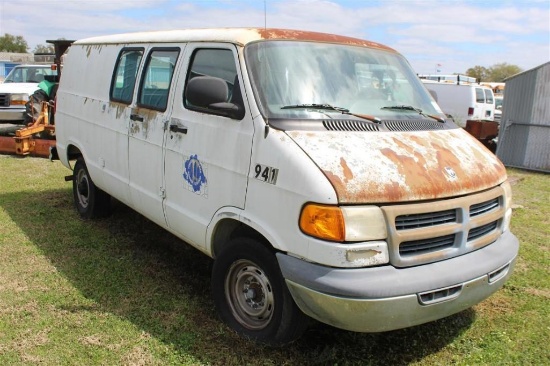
33,65
241,36
461,85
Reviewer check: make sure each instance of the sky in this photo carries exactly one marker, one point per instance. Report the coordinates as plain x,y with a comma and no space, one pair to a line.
436,36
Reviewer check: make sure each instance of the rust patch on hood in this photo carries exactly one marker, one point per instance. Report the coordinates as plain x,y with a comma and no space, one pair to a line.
348,175
381,167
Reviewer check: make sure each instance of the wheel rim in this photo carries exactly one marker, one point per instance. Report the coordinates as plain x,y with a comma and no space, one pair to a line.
249,294
82,188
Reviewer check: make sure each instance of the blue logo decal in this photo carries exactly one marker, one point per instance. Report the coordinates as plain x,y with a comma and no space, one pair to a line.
193,173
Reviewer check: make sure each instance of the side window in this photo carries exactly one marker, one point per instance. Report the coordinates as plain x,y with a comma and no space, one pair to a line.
157,78
488,96
480,95
124,76
216,72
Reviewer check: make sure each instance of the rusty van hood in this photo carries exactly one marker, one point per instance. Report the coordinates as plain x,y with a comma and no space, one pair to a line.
378,167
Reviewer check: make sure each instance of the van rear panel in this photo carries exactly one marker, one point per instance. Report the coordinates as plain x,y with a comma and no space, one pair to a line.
463,102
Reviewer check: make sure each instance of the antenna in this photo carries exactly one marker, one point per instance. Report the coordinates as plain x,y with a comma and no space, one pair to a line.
266,129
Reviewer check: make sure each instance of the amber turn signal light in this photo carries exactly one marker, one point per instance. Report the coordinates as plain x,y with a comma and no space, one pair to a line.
323,222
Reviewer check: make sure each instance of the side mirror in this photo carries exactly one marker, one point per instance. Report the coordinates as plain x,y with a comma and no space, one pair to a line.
211,94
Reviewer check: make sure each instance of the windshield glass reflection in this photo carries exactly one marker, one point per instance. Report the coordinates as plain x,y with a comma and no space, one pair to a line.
302,75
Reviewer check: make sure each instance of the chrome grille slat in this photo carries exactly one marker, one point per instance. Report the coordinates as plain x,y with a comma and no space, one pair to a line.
481,231
405,222
483,207
426,245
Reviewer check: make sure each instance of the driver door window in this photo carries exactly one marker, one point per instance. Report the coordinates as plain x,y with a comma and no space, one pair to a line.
218,64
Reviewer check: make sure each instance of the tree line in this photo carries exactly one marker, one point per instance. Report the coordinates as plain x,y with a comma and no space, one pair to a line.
18,44
496,73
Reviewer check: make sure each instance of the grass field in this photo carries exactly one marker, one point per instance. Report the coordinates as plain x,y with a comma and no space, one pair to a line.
121,291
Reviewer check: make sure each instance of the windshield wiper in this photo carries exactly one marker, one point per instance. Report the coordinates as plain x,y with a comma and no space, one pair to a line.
411,108
333,108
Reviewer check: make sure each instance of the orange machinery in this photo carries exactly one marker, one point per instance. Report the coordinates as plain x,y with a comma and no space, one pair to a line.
38,137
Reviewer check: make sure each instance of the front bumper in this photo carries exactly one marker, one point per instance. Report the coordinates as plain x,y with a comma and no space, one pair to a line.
12,114
385,298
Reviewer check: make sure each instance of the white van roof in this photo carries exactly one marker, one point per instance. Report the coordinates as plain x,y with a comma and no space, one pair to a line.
241,36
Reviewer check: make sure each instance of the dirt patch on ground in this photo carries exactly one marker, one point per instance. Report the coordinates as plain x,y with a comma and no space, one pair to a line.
514,180
539,292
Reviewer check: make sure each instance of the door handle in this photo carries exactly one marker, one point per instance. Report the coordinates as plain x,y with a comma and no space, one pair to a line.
176,128
136,117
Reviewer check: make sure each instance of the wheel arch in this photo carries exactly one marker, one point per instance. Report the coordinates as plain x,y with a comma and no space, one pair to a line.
73,152
227,229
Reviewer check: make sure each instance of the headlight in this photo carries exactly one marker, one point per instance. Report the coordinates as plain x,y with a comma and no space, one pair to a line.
364,223
507,205
507,194
350,223
19,99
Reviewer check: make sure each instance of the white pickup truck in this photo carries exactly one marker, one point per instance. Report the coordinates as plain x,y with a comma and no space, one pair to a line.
16,89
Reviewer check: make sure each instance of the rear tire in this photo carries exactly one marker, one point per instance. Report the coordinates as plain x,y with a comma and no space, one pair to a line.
90,201
251,296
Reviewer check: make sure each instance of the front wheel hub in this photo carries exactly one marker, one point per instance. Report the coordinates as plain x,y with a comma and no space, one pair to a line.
249,294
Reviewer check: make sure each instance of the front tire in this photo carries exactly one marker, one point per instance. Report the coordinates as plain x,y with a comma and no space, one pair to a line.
251,296
90,201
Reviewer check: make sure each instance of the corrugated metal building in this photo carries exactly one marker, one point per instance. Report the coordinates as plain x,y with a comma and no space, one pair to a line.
524,137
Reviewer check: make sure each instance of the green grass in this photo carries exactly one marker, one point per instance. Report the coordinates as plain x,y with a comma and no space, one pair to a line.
121,291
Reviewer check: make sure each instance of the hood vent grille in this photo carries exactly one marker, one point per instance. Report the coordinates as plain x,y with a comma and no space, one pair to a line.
349,125
387,125
414,125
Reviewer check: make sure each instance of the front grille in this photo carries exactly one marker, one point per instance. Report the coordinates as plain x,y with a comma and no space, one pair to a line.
427,232
4,100
349,125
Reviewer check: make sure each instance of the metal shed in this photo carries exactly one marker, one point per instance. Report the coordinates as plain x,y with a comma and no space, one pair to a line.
524,137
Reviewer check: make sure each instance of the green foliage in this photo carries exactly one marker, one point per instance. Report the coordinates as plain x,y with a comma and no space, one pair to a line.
15,44
499,72
496,73
478,72
42,48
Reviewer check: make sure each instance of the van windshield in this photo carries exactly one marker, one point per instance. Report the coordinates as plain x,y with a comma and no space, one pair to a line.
290,78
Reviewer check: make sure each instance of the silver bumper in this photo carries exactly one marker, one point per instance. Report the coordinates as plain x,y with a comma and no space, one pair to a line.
385,298
12,114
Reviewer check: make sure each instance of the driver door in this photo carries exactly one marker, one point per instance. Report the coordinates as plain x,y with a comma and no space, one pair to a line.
207,155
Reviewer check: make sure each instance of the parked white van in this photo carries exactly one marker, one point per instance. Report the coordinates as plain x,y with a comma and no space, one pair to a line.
314,169
463,101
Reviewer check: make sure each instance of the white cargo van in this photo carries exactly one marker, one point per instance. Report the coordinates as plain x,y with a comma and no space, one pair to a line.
314,169
463,101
